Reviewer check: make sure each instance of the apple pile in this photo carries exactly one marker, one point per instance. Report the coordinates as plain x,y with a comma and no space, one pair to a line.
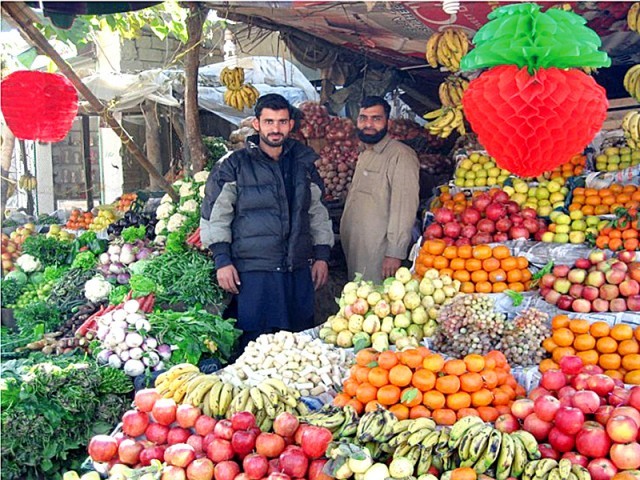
194,446
492,217
578,413
595,284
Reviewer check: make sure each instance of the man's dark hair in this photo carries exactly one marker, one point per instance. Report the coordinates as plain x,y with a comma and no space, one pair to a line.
272,101
373,100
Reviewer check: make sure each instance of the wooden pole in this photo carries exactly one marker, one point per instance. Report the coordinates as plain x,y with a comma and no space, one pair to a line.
22,16
86,154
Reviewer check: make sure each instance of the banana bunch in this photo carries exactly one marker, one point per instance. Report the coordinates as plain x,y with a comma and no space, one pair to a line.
631,80
232,78
419,442
342,422
447,48
549,469
244,97
27,182
631,128
633,17
445,120
451,90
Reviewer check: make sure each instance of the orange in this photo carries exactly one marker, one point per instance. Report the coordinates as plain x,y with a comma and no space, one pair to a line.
467,287
378,377
522,262
467,412
509,263
362,374
341,399
606,345
577,325
500,397
356,404
463,473
448,384
387,360
563,337
614,374
458,400
589,357
631,362
471,382
440,263
419,411
433,399
400,375
488,414
599,329
481,398
366,392
433,362
454,367
424,379
549,345
490,378
484,287
490,264
400,411
497,275
516,286
444,416
560,321
462,276
388,395
479,276
499,287
514,276
636,333
472,264
435,247
474,362
632,377
349,386
482,252
465,251
609,361
547,364
499,357
450,252
412,358
621,331
456,264
561,352
628,346
499,252
411,397
372,406
365,356
584,341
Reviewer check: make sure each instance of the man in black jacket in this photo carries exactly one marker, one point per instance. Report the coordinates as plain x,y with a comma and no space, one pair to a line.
263,219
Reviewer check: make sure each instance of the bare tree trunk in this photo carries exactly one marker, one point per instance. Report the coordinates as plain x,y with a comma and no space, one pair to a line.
197,150
8,145
152,139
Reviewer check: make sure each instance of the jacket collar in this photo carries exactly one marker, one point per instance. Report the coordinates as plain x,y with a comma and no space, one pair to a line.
253,144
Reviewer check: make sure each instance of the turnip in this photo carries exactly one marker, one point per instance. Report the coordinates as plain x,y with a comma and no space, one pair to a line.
151,359
133,339
131,306
136,353
114,361
133,368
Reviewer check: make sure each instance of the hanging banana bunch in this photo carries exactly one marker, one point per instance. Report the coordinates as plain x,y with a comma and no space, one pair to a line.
631,128
238,95
451,90
445,120
447,48
631,80
27,182
633,17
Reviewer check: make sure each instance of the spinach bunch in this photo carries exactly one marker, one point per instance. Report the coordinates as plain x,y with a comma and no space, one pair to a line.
48,250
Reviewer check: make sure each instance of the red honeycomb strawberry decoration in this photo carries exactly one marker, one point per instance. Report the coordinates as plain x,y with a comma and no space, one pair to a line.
534,109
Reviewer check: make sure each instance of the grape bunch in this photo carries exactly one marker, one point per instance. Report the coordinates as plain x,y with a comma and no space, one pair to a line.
469,324
522,339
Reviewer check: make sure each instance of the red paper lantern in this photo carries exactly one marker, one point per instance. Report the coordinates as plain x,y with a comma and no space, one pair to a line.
532,123
38,106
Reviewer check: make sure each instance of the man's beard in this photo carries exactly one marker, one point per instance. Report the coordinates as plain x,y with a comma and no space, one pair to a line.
271,143
372,139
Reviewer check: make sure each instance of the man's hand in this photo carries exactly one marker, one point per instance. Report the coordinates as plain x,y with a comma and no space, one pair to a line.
389,266
319,273
228,279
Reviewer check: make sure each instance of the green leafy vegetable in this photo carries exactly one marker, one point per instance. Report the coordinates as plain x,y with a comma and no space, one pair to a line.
131,234
117,294
54,273
516,297
48,250
176,242
10,291
142,286
85,260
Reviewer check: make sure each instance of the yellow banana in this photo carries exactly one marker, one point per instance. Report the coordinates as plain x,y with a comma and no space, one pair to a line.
632,17
432,49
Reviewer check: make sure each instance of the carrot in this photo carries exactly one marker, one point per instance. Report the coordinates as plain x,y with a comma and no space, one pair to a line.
90,322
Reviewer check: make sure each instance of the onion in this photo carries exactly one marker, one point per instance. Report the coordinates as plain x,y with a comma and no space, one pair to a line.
132,318
159,366
111,278
119,324
114,258
127,254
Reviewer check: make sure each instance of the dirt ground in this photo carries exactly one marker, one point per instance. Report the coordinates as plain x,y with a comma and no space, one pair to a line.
325,297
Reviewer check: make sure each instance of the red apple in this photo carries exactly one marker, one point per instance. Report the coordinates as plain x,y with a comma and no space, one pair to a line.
592,369
537,427
170,472
507,423
566,391
592,440
157,433
270,445
561,270
633,302
576,458
200,469
226,470
152,452
129,451
629,412
564,302
243,420
223,429
243,442
315,470
575,291
618,305
547,451
601,384
294,462
164,411
196,442
177,435
618,396
622,429
603,414
179,455
629,287
553,380
204,424
634,398
219,450
145,399
590,293
545,407
571,364
586,400
625,457
134,422
285,424
538,392
569,420
560,441
601,469
186,415
583,263
522,408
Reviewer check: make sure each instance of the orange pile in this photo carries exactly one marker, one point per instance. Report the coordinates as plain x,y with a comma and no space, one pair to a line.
615,349
605,200
125,201
575,166
79,220
479,268
419,383
622,237
456,202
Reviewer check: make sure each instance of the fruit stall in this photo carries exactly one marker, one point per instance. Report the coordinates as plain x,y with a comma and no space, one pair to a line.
507,348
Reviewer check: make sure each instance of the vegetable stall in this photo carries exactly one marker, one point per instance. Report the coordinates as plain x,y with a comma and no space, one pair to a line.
509,347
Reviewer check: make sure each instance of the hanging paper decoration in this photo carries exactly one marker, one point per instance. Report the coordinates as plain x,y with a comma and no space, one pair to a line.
38,106
528,111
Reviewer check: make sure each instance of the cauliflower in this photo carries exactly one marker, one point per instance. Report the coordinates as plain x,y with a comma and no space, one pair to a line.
186,190
97,289
28,263
177,183
166,199
165,210
175,222
189,206
161,226
201,191
201,177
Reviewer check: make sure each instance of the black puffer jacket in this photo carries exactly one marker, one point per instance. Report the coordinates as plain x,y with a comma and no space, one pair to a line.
265,236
